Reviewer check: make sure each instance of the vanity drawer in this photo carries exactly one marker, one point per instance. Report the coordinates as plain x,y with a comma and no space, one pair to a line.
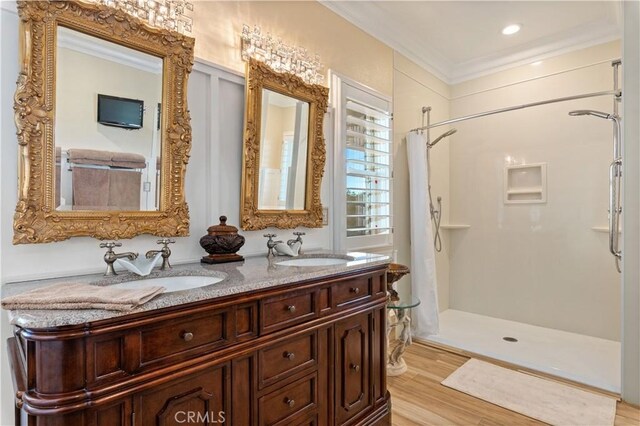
290,404
185,336
283,311
352,291
287,358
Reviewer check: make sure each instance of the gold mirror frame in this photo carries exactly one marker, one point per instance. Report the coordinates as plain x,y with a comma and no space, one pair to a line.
260,76
36,219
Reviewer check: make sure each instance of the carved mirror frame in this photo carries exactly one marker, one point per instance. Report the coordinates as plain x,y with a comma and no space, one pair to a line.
36,220
260,76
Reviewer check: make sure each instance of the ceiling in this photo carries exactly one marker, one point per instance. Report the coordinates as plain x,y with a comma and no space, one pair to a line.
461,40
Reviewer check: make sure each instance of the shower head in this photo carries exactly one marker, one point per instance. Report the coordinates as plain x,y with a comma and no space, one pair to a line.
590,112
442,136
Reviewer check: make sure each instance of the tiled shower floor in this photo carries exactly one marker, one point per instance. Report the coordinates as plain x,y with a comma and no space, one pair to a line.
584,359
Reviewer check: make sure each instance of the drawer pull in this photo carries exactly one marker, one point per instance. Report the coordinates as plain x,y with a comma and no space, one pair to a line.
355,290
291,308
187,337
355,367
289,355
290,402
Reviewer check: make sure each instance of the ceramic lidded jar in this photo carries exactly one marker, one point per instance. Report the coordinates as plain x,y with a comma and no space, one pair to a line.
222,242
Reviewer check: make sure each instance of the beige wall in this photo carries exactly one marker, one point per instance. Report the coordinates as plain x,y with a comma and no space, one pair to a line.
413,89
342,46
540,264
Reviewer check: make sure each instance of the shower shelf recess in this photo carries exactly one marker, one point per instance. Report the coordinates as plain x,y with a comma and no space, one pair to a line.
525,183
455,226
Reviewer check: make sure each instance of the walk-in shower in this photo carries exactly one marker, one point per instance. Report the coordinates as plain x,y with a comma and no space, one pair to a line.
531,283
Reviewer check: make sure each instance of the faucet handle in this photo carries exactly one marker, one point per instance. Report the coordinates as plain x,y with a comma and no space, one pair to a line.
270,236
298,233
166,241
110,245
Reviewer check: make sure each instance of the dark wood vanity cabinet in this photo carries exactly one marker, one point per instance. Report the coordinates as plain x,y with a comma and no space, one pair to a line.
312,353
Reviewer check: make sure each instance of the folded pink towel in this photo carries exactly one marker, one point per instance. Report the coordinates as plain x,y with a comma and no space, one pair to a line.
81,296
89,156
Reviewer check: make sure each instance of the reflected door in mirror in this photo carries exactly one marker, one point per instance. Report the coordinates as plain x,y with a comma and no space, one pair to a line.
284,134
107,125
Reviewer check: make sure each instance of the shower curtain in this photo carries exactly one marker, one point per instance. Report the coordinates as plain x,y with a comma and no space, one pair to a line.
423,258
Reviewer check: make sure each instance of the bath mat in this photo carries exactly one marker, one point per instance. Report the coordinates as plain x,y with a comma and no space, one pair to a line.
544,400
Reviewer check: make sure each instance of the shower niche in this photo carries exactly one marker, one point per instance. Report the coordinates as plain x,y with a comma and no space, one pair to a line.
525,184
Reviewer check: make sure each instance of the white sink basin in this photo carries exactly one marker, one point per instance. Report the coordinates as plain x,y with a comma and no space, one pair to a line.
171,284
314,261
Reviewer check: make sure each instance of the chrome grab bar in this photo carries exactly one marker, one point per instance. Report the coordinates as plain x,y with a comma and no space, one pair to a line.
614,209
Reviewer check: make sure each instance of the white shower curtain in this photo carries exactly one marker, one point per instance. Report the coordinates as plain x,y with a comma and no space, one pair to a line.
423,257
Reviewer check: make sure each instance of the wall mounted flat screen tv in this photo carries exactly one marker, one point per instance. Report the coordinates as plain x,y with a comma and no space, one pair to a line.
120,112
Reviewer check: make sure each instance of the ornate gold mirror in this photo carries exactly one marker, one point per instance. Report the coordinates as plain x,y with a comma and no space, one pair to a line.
284,150
103,125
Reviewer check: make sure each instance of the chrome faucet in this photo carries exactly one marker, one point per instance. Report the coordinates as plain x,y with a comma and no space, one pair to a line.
298,239
110,256
271,245
166,252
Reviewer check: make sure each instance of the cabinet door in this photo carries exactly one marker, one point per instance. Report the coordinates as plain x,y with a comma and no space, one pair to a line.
115,414
353,357
197,399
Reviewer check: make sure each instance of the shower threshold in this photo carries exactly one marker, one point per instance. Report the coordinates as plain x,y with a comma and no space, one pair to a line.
576,357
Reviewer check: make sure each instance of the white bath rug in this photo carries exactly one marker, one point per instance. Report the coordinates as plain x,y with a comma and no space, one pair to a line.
545,400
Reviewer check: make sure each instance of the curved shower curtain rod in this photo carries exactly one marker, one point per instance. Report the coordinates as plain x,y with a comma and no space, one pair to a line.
616,93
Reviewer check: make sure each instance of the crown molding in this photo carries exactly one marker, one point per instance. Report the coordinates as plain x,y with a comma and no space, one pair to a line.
451,73
437,65
576,39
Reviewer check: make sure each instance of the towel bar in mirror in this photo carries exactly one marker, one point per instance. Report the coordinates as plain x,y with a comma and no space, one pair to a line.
103,128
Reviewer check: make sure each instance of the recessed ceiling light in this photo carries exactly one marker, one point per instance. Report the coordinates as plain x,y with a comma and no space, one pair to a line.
511,29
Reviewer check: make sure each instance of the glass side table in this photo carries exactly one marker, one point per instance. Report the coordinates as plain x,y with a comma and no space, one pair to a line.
398,315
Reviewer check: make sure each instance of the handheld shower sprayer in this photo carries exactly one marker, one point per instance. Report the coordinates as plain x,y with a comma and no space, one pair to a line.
442,136
615,177
436,214
599,114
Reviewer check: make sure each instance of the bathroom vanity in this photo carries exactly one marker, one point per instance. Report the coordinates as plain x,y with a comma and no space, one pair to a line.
268,345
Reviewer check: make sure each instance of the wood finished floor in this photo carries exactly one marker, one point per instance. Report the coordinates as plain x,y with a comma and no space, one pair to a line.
418,398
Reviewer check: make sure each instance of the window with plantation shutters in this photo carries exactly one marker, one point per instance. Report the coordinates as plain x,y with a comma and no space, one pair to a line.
364,147
368,174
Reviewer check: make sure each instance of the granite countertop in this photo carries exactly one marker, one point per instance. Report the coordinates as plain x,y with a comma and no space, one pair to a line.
255,273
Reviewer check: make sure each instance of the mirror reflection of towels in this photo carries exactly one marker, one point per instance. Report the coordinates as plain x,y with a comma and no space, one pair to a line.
106,180
124,189
90,188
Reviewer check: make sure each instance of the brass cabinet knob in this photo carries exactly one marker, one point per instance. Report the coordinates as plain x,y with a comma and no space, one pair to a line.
187,337
289,355
291,308
355,290
290,402
355,367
